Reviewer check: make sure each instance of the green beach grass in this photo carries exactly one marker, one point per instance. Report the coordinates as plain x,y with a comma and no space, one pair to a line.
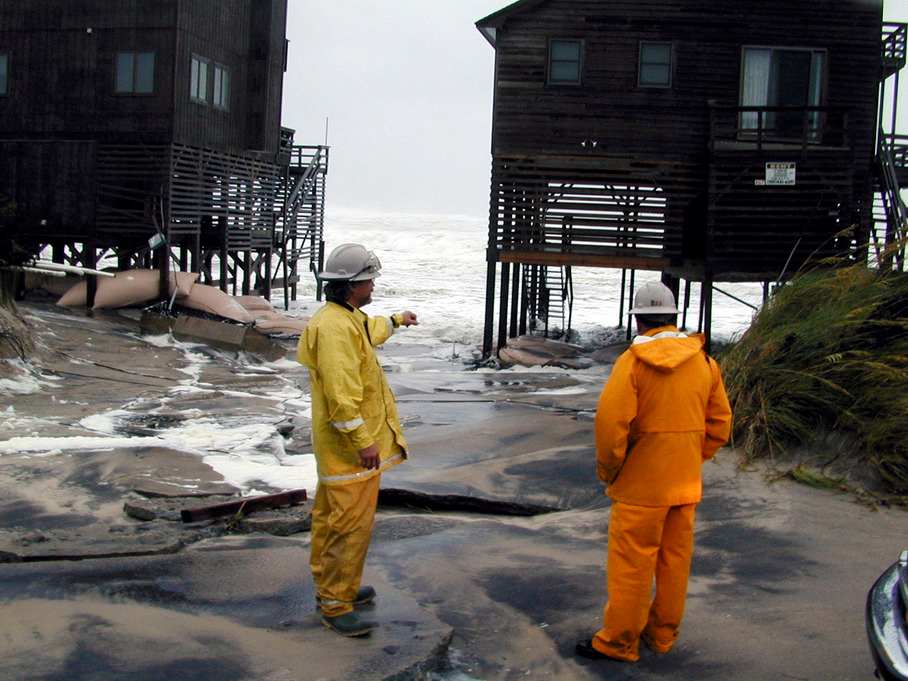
828,353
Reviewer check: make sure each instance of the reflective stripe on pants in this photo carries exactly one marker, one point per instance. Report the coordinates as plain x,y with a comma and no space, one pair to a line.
645,543
342,519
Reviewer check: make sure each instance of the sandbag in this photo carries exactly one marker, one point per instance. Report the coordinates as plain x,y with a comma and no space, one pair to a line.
215,301
288,326
545,346
265,314
130,287
528,358
253,303
523,357
531,351
55,286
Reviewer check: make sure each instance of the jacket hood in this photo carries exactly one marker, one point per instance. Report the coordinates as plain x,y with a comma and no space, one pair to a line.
666,348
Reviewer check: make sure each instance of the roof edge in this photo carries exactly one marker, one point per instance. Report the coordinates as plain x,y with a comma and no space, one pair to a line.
497,19
489,33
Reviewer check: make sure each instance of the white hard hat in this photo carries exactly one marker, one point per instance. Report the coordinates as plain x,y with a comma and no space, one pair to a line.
654,298
350,262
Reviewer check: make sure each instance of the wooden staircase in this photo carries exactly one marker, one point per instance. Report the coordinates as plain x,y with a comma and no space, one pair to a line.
553,291
890,214
299,224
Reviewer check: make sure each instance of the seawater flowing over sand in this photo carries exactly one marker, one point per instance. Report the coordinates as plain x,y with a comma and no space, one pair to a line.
435,265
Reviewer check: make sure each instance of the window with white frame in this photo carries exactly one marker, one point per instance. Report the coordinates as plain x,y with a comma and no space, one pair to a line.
4,74
782,77
655,64
221,94
198,79
565,61
135,73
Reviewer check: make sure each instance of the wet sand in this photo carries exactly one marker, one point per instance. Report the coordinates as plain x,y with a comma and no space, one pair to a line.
87,592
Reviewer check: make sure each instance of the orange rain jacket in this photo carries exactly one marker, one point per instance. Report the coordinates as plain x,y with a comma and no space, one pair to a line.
663,412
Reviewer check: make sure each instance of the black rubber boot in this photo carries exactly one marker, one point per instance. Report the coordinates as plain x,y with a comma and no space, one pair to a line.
349,624
364,596
586,649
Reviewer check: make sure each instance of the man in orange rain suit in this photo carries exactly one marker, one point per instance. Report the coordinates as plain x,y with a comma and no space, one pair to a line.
663,412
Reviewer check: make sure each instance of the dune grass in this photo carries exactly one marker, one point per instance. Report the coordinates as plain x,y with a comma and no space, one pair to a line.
828,352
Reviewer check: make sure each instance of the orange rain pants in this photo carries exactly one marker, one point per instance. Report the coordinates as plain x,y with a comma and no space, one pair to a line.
342,520
645,542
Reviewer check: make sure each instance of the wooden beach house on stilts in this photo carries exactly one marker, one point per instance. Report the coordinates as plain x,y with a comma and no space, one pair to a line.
150,133
709,142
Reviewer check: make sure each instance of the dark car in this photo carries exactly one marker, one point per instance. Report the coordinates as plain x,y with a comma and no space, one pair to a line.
887,627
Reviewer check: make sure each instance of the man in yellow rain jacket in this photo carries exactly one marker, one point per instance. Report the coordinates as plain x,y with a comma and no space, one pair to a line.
663,412
356,433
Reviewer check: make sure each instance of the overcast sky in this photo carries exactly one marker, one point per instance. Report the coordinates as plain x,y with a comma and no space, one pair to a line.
406,86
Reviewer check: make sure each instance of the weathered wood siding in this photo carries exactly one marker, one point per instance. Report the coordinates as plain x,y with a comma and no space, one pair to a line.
53,182
62,68
672,123
248,37
662,135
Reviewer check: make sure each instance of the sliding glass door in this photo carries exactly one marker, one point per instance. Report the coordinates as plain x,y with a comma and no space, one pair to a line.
782,77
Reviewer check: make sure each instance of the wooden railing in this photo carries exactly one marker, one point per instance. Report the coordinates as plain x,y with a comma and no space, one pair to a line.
897,147
757,126
895,46
318,163
894,206
299,224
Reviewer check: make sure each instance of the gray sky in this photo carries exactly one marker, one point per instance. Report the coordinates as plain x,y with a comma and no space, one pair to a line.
407,88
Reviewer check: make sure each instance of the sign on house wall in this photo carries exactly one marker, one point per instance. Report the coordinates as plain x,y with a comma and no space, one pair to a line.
778,174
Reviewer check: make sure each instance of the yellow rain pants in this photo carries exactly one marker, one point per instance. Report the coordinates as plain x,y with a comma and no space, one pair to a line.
645,542
342,519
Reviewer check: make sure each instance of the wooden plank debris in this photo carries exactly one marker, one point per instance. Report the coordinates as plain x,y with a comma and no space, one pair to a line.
244,506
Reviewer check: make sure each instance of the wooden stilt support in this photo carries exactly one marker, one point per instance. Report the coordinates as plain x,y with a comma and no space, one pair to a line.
524,302
621,299
223,254
266,283
686,303
708,310
515,300
630,303
195,253
163,264
247,272
321,265
89,256
503,305
490,305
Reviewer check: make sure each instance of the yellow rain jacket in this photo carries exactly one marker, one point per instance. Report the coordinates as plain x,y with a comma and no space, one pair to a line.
662,413
352,405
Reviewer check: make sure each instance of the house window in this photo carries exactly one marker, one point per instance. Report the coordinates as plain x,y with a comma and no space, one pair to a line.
198,80
135,73
782,77
4,74
221,87
565,61
655,65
